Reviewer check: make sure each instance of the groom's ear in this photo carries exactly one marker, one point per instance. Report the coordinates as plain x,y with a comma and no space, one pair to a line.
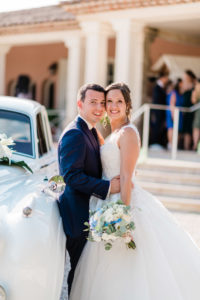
79,103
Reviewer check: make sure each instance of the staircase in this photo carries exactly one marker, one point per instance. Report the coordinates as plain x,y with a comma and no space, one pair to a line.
175,183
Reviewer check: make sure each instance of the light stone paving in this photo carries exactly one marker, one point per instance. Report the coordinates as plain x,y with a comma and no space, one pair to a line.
189,221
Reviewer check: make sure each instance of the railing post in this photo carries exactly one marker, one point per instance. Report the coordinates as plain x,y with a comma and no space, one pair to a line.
175,134
145,137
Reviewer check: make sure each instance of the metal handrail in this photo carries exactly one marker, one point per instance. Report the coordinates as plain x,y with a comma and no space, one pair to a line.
145,109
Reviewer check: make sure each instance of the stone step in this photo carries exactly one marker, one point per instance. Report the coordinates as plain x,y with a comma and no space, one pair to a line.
175,190
170,166
182,204
167,177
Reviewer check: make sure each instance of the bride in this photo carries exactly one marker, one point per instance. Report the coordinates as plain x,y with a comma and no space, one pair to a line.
166,263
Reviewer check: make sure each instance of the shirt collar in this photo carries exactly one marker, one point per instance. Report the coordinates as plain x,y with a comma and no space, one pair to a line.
88,124
160,83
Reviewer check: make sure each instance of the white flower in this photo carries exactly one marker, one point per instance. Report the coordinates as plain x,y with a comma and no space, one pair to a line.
116,226
127,218
108,214
108,218
105,237
119,210
4,143
96,237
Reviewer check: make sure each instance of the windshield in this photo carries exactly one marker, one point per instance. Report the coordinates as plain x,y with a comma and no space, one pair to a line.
17,126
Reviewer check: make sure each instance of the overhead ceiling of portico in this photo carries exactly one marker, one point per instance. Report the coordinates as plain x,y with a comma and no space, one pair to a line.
187,27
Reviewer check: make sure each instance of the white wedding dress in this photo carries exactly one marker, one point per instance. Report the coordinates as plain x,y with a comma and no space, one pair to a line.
165,264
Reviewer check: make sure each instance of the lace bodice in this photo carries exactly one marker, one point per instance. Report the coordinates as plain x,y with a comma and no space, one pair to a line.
110,153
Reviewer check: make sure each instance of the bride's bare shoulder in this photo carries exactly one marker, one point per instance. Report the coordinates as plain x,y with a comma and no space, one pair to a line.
129,134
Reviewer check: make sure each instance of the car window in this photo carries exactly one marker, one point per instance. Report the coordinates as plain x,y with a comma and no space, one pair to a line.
17,126
42,146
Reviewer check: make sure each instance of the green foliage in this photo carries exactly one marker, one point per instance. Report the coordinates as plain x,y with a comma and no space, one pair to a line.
132,245
57,179
21,164
108,246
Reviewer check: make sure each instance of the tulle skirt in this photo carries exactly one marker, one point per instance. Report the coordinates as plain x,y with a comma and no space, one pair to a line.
164,266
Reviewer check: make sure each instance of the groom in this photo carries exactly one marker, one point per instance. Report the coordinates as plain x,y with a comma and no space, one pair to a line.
80,165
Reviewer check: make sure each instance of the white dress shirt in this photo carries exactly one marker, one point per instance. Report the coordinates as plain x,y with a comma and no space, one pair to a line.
90,126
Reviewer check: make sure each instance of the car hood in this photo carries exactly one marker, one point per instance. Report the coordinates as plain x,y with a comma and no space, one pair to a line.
8,172
16,184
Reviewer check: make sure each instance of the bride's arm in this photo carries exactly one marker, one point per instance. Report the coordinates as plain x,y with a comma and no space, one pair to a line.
129,152
100,137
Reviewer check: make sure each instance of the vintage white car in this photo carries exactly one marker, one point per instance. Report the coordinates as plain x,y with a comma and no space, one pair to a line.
32,242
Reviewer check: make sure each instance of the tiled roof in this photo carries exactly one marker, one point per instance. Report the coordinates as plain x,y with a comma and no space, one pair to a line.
35,16
93,6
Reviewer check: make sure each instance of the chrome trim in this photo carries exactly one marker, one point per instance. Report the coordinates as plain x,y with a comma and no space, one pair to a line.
27,211
2,293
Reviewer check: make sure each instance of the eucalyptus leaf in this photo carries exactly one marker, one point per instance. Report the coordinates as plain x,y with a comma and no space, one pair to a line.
108,246
132,245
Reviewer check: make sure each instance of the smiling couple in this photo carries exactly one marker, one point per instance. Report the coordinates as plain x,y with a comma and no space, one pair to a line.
166,263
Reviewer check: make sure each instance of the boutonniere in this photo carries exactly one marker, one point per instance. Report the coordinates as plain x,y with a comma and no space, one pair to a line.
6,153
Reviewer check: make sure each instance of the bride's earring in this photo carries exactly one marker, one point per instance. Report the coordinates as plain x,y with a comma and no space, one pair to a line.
105,121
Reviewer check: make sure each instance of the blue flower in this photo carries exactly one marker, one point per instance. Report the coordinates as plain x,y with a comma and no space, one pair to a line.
117,221
93,223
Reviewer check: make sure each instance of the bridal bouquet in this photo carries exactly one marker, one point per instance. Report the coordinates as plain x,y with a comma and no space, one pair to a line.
111,222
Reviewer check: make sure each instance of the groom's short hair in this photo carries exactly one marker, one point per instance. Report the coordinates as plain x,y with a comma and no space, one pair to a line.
89,86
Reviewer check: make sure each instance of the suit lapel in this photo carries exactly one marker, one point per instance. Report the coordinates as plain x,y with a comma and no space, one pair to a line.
89,134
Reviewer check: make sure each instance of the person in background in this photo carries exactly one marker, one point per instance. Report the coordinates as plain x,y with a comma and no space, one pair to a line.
22,87
174,98
189,80
196,122
169,87
158,123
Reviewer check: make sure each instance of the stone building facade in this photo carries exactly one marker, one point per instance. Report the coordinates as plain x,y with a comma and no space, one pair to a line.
93,41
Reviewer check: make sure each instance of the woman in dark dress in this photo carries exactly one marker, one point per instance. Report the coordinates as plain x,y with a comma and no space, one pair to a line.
189,82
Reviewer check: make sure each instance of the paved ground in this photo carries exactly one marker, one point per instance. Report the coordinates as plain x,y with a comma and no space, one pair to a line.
189,221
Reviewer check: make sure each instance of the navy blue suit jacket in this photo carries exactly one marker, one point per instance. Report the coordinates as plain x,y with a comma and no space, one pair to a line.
80,166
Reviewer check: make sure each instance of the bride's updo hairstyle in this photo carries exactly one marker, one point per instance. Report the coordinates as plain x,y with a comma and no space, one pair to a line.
125,92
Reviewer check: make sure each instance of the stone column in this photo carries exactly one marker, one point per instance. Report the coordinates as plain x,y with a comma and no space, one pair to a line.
96,51
129,56
74,74
3,52
150,35
61,84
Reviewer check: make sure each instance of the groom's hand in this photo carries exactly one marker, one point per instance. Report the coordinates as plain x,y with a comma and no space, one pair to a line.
115,185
